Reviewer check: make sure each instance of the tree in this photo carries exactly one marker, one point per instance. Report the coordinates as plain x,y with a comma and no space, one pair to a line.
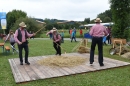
87,20
120,13
13,16
67,26
107,19
49,26
31,23
107,14
92,21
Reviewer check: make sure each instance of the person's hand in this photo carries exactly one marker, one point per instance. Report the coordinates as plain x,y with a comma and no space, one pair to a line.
20,43
107,34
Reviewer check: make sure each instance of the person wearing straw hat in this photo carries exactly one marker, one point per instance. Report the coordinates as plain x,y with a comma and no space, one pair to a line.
20,37
97,37
56,40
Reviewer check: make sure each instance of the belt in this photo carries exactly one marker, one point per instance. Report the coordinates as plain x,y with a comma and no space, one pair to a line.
97,37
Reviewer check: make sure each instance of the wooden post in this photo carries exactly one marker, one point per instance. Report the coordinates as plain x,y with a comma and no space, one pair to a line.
118,41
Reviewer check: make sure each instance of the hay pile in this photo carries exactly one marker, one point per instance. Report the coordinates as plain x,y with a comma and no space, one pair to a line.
82,46
62,61
83,49
126,55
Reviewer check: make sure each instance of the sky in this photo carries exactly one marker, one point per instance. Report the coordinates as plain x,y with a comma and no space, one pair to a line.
76,10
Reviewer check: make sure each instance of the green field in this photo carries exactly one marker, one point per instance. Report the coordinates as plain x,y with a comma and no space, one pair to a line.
66,33
38,47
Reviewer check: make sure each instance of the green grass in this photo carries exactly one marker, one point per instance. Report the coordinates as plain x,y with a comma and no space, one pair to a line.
66,33
111,77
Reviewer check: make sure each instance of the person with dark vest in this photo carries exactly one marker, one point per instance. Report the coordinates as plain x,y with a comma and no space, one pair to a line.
97,32
20,37
56,40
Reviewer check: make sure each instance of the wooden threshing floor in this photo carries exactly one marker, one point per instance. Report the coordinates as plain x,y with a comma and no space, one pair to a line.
34,71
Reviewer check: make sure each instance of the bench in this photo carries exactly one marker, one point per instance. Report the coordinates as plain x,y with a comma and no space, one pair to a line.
7,49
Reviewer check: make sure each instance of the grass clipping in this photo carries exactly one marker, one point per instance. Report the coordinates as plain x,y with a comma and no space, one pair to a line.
62,61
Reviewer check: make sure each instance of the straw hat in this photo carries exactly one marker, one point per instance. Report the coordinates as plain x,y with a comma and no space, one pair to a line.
54,29
22,24
98,20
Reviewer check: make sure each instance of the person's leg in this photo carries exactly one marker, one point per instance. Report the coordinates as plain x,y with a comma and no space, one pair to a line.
72,39
100,52
50,36
105,42
20,47
61,39
59,48
13,46
55,47
26,52
93,44
75,39
108,38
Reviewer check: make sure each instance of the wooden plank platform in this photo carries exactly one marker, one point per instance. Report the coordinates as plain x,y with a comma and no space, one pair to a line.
34,71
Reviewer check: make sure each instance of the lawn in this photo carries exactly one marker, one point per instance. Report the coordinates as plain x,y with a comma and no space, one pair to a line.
38,47
66,33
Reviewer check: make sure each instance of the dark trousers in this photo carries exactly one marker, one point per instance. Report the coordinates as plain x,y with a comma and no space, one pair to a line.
109,39
73,38
98,41
57,47
62,39
20,47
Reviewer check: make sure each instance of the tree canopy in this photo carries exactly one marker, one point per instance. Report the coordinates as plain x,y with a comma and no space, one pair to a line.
105,16
121,17
14,15
31,23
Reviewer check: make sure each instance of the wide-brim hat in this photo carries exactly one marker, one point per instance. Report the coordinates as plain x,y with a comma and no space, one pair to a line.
54,29
22,24
97,20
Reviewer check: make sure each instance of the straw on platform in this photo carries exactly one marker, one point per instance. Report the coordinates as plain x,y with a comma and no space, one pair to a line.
62,61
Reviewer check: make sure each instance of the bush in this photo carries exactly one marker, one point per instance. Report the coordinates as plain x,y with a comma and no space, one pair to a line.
32,25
